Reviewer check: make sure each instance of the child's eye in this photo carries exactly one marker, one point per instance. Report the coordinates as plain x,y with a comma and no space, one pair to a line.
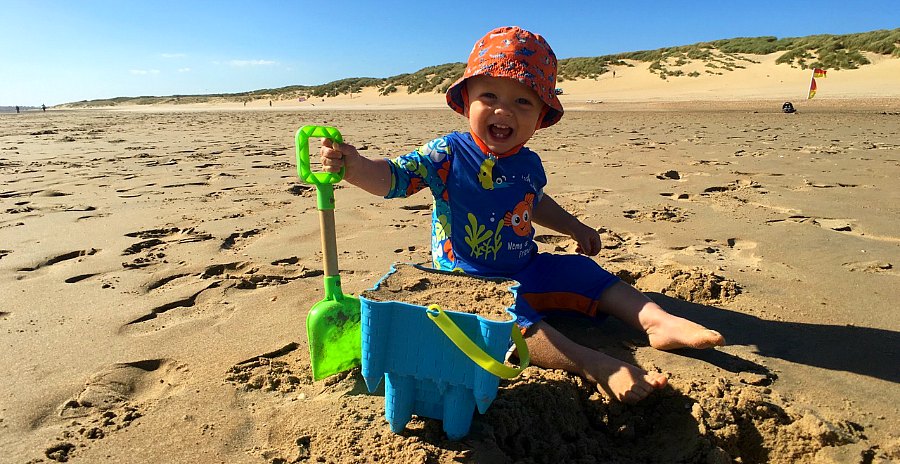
488,95
524,101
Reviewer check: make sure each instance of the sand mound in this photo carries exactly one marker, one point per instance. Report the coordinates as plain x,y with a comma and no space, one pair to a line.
546,416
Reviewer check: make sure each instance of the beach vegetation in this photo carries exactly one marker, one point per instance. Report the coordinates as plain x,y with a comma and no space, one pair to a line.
429,79
387,89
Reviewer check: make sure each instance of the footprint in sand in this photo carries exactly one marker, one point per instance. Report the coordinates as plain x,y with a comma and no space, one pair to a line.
732,251
58,259
243,275
284,370
847,226
207,292
872,267
669,175
840,225
664,213
20,208
302,190
556,243
80,277
111,400
233,241
154,243
689,284
678,196
742,252
741,184
178,311
823,185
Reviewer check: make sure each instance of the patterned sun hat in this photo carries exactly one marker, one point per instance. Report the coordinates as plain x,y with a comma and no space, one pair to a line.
513,53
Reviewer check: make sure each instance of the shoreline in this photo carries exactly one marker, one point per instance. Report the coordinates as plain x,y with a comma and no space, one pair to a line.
887,104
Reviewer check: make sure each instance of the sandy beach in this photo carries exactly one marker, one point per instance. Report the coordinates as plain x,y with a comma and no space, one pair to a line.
157,265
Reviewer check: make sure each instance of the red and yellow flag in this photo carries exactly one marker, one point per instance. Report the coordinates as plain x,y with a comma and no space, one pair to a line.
817,72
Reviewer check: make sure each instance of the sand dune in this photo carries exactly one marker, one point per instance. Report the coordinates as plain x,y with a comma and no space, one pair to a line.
759,81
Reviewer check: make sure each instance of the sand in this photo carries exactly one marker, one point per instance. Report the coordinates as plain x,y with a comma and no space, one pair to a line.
157,265
415,285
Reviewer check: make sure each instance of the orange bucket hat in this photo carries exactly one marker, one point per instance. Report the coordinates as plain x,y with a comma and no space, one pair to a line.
513,53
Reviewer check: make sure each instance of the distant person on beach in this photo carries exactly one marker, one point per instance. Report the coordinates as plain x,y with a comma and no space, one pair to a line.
43,107
488,189
17,109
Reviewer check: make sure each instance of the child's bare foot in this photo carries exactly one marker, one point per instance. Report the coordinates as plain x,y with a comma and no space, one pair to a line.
666,331
614,378
673,332
622,381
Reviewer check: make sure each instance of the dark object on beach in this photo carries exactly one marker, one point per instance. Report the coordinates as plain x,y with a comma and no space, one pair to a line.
787,107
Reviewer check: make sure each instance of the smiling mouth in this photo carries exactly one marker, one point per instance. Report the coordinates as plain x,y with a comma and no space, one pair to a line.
500,131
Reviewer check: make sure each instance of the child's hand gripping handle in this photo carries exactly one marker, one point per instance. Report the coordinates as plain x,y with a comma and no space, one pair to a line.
324,200
302,144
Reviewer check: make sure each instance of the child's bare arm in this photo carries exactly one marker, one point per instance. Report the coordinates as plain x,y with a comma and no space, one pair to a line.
373,176
549,214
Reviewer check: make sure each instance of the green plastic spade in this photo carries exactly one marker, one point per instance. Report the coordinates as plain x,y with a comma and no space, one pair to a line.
332,325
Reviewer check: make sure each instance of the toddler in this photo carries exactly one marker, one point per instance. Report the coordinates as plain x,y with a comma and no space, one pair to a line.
488,190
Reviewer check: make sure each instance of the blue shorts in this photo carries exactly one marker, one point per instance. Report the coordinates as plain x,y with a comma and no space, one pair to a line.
558,284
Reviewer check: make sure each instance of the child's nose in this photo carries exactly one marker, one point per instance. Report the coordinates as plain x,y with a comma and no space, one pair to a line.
502,108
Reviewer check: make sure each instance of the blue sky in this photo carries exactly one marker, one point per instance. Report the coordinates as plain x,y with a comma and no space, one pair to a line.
69,50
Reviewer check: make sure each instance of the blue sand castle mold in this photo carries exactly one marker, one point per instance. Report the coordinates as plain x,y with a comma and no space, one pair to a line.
425,373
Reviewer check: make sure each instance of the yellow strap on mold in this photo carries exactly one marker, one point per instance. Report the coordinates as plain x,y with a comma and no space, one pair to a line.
476,354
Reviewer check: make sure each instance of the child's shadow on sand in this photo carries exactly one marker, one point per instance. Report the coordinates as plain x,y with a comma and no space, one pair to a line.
861,350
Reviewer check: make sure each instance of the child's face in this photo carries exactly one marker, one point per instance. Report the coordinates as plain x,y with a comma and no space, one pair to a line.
502,112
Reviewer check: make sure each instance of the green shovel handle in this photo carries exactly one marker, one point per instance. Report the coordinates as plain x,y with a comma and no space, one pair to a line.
473,351
302,144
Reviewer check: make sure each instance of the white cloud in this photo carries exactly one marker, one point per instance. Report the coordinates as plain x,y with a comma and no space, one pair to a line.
244,63
173,55
184,70
143,72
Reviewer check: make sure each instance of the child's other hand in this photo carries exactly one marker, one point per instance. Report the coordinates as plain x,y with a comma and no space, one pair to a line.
588,240
335,155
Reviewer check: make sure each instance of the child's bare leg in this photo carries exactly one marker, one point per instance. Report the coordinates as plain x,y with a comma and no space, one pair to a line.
666,331
616,379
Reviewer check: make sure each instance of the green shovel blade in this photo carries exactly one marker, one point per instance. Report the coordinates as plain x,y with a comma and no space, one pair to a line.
333,331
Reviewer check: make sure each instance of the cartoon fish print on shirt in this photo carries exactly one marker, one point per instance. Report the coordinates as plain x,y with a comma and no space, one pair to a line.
486,173
489,179
520,217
